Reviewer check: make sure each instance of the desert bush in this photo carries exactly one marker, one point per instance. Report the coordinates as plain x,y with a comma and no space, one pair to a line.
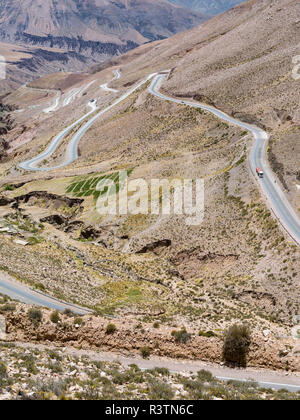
181,336
78,321
54,355
55,367
35,315
8,187
68,312
8,307
3,370
55,386
237,340
160,371
54,317
29,363
145,352
205,376
208,334
193,388
160,391
111,328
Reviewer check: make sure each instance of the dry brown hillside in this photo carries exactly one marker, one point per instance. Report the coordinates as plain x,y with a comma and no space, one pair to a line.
240,61
238,265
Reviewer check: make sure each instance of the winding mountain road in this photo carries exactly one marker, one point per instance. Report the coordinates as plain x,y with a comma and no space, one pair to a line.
23,293
53,107
72,148
30,165
270,187
276,198
105,86
75,92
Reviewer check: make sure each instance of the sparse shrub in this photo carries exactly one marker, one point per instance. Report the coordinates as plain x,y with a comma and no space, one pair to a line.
145,352
159,371
40,286
194,388
237,340
33,240
181,336
160,391
54,355
156,325
29,363
205,376
3,370
111,328
8,187
55,367
8,307
78,321
54,317
68,312
35,315
208,334
55,386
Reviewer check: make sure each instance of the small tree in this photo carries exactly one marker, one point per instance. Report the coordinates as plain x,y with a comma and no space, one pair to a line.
237,340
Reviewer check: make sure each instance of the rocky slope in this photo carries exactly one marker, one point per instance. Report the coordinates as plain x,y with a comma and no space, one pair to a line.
268,349
47,373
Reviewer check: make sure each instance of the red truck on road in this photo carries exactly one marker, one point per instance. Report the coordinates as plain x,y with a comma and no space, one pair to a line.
260,172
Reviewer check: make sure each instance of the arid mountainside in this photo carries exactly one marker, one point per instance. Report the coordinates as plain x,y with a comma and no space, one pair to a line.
239,265
242,62
94,27
209,7
23,63
74,34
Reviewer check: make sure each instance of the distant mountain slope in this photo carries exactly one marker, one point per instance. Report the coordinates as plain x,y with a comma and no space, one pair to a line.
209,7
72,35
241,60
106,27
245,63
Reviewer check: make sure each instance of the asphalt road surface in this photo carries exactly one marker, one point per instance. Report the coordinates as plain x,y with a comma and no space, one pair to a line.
264,378
270,187
23,293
